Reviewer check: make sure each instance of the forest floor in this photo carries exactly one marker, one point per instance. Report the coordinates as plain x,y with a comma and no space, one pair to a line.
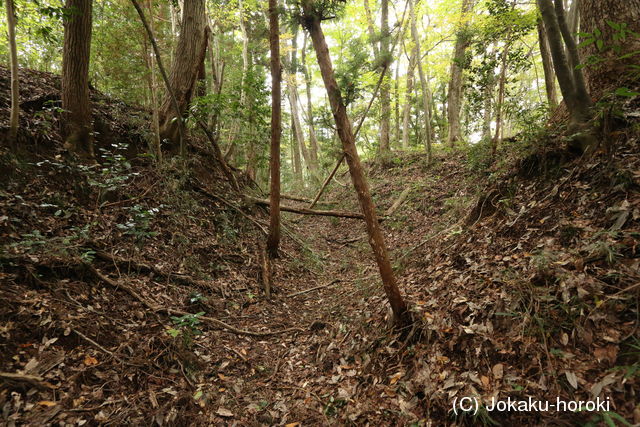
131,293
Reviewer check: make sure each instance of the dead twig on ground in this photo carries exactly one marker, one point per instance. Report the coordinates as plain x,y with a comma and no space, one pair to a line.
92,342
315,288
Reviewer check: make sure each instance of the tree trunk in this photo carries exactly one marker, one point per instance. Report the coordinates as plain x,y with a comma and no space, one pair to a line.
296,125
307,79
396,106
385,88
189,54
371,30
574,57
15,93
153,87
487,107
273,239
579,113
292,86
497,138
612,72
312,22
454,95
406,109
423,82
77,128
574,18
547,66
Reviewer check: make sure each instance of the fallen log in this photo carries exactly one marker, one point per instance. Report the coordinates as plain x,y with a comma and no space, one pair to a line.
398,202
306,211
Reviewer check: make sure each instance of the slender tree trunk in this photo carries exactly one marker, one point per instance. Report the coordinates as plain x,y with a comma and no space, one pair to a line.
547,66
406,109
190,52
312,133
454,95
385,88
396,106
345,132
574,57
235,126
574,18
217,75
502,80
487,108
273,240
297,160
423,82
153,87
371,30
296,125
77,126
292,86
163,73
579,113
15,93
612,72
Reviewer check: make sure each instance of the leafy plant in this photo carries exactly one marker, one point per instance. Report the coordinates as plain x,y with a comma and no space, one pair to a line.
186,326
139,222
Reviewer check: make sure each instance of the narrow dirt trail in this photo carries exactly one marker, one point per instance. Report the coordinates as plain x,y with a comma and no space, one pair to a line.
309,376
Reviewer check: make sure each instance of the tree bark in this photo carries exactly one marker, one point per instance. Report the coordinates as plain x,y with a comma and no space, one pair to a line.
77,128
273,239
611,72
189,54
312,22
15,91
454,94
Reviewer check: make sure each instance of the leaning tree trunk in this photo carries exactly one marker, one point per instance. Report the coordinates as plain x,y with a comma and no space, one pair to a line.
454,95
15,93
312,20
189,54
547,66
273,239
76,123
611,72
